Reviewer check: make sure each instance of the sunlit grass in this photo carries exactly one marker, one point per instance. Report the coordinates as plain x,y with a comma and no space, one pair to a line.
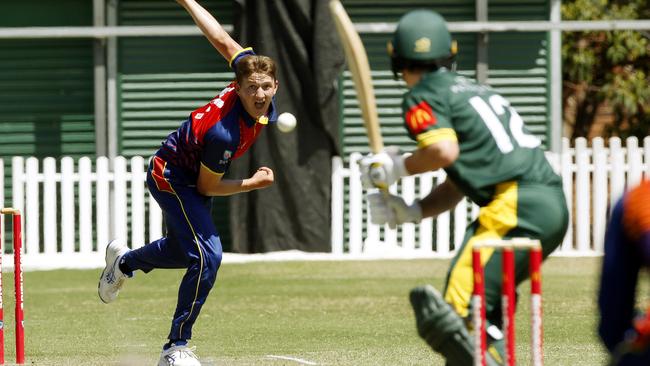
333,313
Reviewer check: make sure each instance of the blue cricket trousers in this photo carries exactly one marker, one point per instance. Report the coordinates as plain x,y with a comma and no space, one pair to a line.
192,242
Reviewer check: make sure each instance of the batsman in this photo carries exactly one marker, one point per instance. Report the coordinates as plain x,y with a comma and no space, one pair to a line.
478,138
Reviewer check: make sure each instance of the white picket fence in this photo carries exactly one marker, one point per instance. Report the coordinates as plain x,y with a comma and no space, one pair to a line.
72,209
69,214
593,179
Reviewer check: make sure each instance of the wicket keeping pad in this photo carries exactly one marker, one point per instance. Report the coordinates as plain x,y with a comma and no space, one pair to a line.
442,328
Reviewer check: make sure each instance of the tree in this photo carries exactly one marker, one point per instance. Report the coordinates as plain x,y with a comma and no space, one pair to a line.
606,71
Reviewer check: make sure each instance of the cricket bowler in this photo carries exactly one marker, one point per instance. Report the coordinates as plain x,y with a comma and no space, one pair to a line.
186,172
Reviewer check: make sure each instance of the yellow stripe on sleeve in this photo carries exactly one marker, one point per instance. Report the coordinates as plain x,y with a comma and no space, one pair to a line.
431,137
237,54
211,171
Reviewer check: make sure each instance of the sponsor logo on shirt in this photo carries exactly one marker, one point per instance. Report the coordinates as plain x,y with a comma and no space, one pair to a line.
218,101
226,157
420,117
226,91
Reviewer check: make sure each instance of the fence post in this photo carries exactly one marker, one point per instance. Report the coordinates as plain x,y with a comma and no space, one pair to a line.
599,193
119,199
634,163
137,202
356,206
582,188
85,206
68,227
475,211
32,211
49,206
617,162
102,223
646,156
460,222
155,220
566,170
337,206
18,187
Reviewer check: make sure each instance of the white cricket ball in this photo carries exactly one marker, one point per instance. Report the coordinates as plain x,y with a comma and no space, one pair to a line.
286,122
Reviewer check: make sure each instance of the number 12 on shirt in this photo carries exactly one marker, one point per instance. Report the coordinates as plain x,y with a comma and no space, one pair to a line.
490,113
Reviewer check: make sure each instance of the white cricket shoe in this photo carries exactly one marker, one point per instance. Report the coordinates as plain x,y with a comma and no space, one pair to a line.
179,356
112,278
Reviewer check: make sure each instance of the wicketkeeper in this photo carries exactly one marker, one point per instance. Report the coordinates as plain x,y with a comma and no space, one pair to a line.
478,138
623,328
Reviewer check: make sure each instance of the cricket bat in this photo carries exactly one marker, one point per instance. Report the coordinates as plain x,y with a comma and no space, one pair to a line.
357,60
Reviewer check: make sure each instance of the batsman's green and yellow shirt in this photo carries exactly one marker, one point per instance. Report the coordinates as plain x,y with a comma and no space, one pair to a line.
495,146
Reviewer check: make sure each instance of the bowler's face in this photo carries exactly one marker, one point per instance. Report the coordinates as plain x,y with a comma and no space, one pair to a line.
256,93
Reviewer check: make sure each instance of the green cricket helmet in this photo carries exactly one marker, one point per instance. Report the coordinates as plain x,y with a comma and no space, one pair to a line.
421,40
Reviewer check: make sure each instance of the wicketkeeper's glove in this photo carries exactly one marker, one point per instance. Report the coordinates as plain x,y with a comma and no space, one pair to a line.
383,169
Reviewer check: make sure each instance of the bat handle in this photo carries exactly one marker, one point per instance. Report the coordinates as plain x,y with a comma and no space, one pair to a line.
381,177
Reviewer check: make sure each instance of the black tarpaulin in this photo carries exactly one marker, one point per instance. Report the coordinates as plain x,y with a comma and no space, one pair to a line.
294,213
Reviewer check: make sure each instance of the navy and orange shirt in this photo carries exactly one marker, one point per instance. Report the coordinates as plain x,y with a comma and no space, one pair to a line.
636,218
213,136
627,252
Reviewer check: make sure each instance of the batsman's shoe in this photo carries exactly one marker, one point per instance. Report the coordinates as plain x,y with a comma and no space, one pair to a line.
179,356
112,278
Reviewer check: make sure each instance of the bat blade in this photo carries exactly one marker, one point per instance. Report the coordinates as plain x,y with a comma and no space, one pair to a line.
357,60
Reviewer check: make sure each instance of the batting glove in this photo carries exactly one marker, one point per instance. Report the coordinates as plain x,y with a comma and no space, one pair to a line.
392,210
383,169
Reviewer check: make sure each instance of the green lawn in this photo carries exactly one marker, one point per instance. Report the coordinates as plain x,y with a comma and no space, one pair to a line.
329,313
